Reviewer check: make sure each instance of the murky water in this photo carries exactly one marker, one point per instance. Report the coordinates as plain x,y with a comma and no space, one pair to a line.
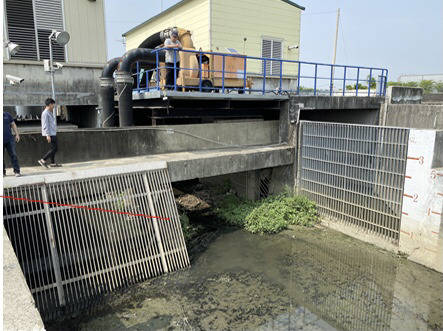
310,279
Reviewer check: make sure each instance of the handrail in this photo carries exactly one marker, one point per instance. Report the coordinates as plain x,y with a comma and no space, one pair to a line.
307,73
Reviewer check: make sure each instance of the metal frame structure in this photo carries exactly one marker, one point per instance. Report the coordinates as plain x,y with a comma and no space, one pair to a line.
309,77
355,173
73,257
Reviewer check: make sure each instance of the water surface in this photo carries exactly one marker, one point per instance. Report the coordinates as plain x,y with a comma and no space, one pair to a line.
310,279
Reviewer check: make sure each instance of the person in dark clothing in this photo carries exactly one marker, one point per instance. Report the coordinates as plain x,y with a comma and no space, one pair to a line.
171,43
9,142
49,130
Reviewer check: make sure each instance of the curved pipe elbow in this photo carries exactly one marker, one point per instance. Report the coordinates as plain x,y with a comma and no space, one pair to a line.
110,67
138,54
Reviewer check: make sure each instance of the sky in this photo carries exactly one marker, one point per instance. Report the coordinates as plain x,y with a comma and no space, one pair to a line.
405,36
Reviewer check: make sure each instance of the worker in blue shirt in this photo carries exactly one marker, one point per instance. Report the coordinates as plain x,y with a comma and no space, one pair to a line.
49,131
9,142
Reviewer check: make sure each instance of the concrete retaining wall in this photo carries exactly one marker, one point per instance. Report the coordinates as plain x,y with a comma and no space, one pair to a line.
74,84
98,144
19,310
419,116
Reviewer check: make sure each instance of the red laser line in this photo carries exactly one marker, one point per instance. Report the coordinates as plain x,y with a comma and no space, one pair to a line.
408,177
84,207
408,196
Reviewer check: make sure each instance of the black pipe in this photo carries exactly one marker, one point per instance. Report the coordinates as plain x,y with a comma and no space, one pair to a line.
124,80
106,106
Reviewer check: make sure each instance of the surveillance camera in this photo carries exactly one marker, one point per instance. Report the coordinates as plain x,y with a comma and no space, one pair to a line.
58,65
292,47
13,80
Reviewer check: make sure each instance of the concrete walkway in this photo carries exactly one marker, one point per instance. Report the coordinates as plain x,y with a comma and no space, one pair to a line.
182,165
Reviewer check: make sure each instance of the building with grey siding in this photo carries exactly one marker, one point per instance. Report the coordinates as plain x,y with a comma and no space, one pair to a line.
29,24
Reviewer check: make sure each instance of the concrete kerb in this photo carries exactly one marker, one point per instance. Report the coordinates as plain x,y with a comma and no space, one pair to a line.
82,174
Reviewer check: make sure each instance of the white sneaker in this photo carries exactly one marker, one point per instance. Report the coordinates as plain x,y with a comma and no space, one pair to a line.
17,174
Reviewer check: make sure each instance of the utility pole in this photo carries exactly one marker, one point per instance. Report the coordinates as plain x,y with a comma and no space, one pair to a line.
335,47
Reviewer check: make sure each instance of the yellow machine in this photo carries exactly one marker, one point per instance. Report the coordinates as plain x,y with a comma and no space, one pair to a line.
213,77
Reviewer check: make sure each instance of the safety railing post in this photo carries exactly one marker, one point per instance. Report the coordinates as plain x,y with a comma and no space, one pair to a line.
175,69
223,74
386,82
331,81
344,82
138,76
298,78
356,85
147,80
244,75
281,76
315,80
158,70
369,82
201,71
264,77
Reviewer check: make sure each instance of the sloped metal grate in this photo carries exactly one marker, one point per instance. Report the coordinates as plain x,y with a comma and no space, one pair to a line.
355,173
73,257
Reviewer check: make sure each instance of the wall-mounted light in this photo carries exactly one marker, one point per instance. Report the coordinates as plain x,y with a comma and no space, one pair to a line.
292,47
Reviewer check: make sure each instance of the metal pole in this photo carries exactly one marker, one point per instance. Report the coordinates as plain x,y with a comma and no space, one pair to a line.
51,65
335,47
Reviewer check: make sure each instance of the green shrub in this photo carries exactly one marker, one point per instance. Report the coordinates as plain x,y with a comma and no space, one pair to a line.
270,215
234,210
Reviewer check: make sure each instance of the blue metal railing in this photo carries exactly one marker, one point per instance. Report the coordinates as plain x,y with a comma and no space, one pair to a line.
277,76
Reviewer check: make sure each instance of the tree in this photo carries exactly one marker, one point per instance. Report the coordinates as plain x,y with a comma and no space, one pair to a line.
439,87
427,86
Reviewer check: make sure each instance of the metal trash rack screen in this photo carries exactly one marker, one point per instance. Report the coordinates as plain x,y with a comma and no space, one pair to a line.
73,257
355,173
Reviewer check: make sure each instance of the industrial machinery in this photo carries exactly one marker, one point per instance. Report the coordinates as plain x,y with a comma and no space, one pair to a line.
210,71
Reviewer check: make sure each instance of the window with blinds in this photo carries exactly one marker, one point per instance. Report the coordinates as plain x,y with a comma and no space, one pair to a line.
272,49
30,22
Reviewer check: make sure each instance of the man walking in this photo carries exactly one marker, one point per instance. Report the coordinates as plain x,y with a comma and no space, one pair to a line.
170,44
49,130
9,143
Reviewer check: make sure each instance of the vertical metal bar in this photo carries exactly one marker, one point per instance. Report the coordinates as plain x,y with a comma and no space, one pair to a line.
201,71
223,74
117,234
104,231
315,80
298,78
344,81
356,85
264,77
158,69
136,231
281,76
244,74
132,235
155,224
175,69
106,227
163,224
173,212
138,76
148,229
331,82
54,254
369,82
